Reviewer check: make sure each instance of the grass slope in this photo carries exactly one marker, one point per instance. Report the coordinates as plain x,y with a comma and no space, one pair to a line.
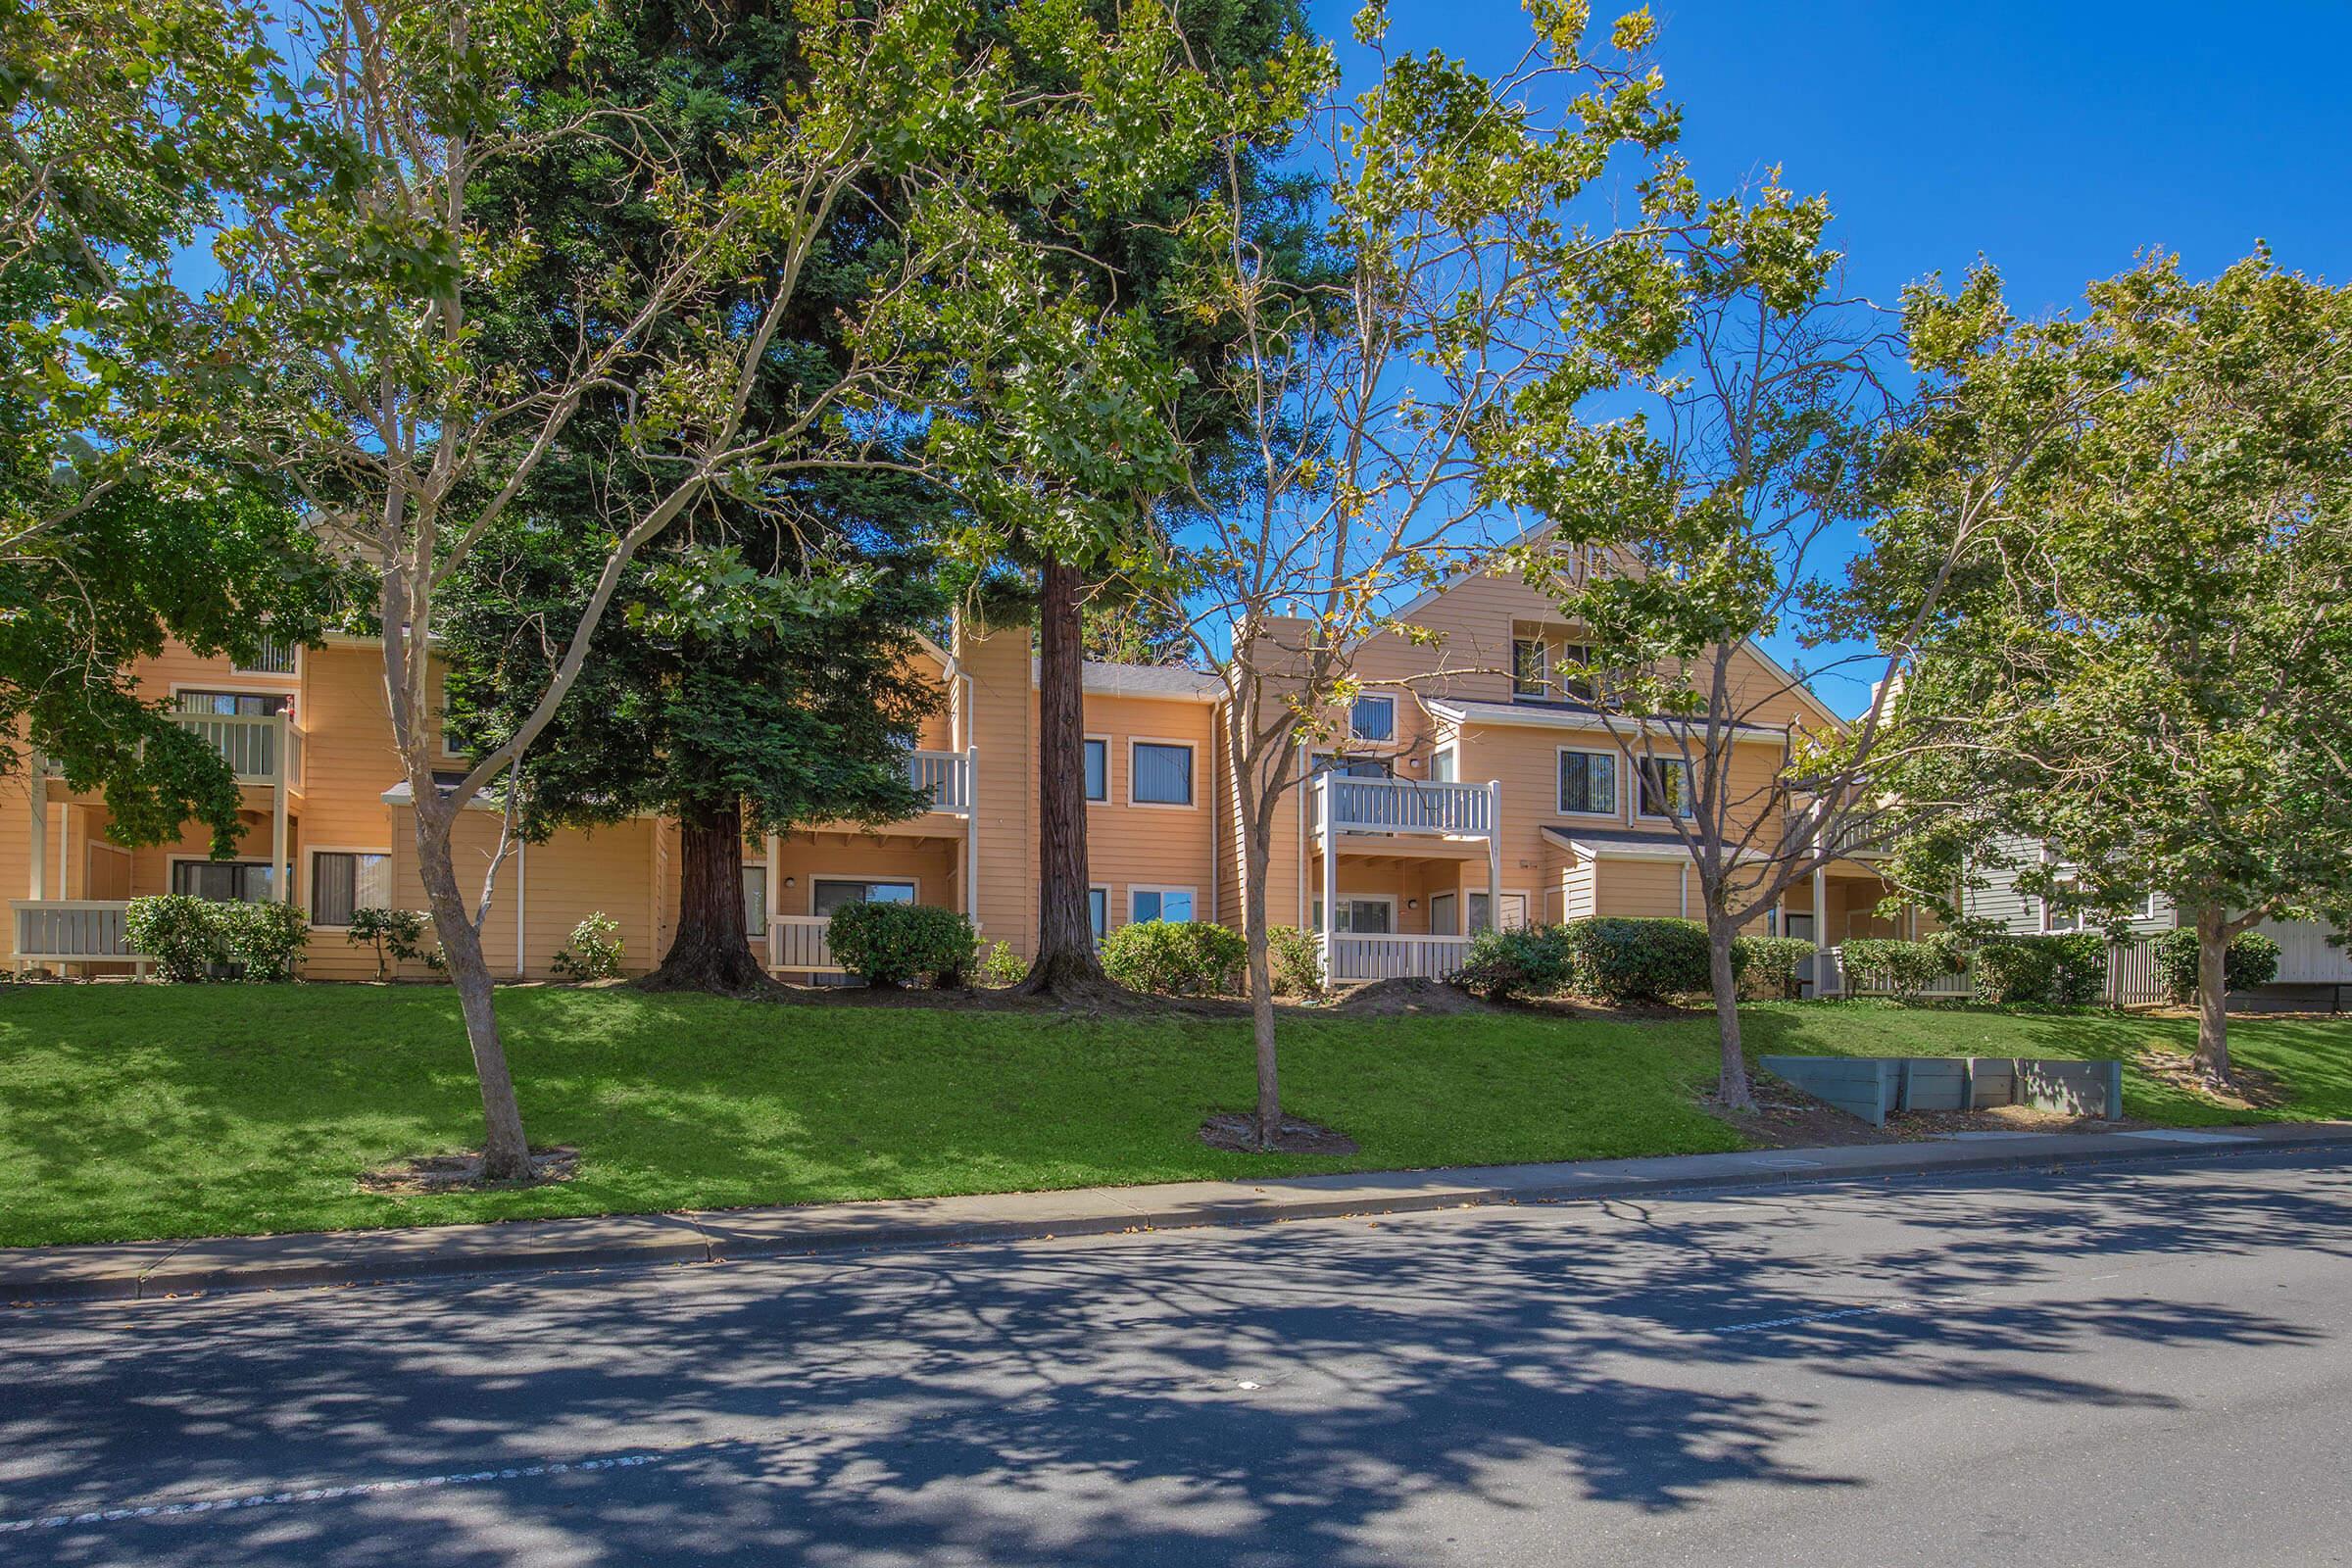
163,1111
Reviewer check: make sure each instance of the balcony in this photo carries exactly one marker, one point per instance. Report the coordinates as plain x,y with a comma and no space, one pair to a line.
1851,841
263,749
1403,805
1395,958
946,777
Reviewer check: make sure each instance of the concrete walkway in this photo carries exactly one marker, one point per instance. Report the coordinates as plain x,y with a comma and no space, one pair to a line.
150,1270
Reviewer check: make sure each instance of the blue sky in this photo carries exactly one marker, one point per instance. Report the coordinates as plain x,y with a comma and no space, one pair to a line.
2054,139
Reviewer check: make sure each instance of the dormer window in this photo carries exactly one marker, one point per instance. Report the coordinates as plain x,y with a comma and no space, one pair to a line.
1530,667
1373,718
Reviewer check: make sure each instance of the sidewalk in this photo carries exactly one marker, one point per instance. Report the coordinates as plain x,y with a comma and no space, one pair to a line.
149,1270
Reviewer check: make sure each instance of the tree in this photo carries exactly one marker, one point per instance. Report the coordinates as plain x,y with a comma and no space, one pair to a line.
1456,298
1742,471
342,352
2151,674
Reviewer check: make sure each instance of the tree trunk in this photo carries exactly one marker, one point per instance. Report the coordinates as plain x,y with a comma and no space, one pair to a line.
1066,961
712,949
2213,994
1732,1090
1256,855
506,1155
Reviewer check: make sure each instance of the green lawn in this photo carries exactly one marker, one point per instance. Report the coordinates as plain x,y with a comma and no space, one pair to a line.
139,1112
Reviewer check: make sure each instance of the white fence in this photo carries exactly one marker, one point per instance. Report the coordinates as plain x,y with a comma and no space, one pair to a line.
1407,806
2132,980
63,929
945,776
797,944
1395,958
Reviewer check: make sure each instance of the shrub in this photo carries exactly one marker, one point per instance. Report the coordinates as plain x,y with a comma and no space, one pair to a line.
2250,959
1171,956
397,935
1905,968
891,943
1526,961
1618,961
266,939
2063,971
1295,963
595,952
1000,966
1767,966
180,933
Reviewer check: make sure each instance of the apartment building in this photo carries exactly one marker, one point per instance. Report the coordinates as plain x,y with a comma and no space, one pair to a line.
1471,788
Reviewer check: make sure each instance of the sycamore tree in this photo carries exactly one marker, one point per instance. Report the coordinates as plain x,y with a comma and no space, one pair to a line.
1725,505
1472,278
342,353
2149,675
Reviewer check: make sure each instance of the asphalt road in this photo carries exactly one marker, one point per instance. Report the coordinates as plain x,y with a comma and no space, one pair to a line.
2147,1365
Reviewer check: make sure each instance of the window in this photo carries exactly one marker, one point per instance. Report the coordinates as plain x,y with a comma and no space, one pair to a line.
1161,773
1160,904
344,880
827,893
224,881
1373,718
1364,917
1514,911
1665,787
1588,784
1577,685
274,658
1354,766
1531,671
1443,765
754,902
1098,769
1097,911
228,704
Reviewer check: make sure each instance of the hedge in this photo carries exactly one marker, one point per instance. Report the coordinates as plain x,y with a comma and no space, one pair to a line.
2062,972
1767,966
1619,960
189,938
1905,968
1172,956
2250,959
1525,961
891,943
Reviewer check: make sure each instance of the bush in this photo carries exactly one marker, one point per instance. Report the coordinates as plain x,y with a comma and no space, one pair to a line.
1905,968
267,938
397,935
2250,959
1619,960
1000,966
595,952
1527,962
1171,956
892,944
180,933
1294,961
2059,971
1767,966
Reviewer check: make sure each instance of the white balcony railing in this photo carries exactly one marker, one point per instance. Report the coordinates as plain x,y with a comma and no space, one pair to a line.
260,748
945,776
1407,806
1395,958
797,944
61,929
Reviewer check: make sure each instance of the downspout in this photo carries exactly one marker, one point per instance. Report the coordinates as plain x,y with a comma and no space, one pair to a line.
522,876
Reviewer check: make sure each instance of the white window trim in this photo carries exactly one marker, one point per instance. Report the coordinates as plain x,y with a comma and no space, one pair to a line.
814,877
1452,752
306,873
1164,889
1110,751
1525,896
1661,816
1389,899
1616,811
1460,907
242,686
1110,906
1389,699
1543,682
1192,774
170,876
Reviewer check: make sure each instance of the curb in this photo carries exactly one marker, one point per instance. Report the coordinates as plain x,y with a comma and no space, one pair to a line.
156,1270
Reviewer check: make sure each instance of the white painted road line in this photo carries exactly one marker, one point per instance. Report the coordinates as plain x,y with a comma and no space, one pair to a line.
1910,1304
356,1489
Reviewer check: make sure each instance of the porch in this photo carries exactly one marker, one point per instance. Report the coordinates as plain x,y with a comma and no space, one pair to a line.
1404,873
924,860
81,884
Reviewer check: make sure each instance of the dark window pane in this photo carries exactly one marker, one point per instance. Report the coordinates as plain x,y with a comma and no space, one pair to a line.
1098,770
1163,774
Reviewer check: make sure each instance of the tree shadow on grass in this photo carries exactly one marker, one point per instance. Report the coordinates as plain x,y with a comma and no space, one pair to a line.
1288,1396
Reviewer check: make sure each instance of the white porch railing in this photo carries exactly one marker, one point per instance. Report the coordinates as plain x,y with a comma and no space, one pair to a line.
66,929
797,944
1863,983
1407,806
945,776
258,747
1395,958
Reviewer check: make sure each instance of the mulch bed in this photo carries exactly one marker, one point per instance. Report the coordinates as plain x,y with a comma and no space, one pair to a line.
1238,1131
462,1172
